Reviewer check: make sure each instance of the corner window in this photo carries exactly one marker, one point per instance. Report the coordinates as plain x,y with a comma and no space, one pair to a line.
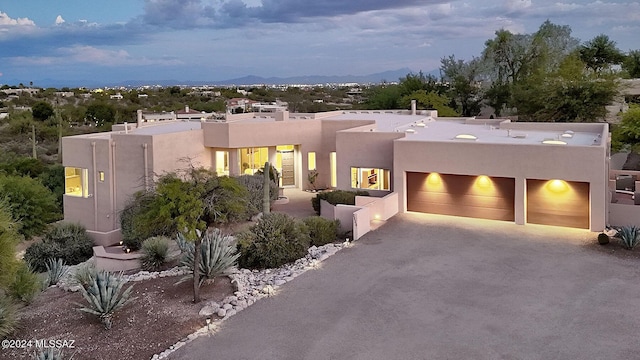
76,182
370,178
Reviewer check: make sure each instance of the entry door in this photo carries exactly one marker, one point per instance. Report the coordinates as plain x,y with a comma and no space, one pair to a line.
288,174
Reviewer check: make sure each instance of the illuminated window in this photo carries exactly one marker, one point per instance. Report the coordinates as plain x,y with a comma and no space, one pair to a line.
334,169
76,182
101,176
222,163
371,179
253,159
311,159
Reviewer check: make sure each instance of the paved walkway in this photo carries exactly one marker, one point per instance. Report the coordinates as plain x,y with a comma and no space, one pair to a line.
434,287
299,204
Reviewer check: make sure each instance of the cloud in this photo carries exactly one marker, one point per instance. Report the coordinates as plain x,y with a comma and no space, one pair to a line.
59,20
6,21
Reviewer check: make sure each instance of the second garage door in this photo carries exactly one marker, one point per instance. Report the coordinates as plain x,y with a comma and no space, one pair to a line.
461,195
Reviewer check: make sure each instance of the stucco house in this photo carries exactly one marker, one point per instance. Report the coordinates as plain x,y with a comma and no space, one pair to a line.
542,173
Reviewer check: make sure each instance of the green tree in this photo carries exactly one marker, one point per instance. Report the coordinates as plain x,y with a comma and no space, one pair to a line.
9,238
383,97
463,79
600,53
42,111
631,64
31,203
627,132
429,100
101,114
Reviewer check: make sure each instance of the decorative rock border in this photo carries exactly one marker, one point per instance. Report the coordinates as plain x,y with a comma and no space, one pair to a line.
251,286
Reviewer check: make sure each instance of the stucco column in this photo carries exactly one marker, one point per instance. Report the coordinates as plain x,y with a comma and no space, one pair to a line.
520,206
272,155
234,162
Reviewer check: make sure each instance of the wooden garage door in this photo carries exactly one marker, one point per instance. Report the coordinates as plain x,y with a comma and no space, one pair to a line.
461,195
557,202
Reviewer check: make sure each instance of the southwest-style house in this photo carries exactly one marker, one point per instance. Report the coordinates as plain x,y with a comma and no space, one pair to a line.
542,173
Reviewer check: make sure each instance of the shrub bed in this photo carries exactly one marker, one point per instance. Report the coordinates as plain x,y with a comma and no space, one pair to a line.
69,242
276,239
321,231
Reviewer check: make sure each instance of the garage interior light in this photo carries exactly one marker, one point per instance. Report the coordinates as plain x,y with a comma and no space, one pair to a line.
466,137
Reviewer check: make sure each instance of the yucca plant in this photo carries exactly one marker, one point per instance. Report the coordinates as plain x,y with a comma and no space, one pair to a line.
56,269
629,236
85,275
49,354
105,296
154,253
8,319
218,254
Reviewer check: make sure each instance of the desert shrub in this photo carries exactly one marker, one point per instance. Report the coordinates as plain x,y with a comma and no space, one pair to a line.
218,254
25,285
629,236
8,318
154,253
321,230
136,226
30,203
69,242
105,297
56,269
224,198
275,240
603,239
85,275
9,237
336,197
255,187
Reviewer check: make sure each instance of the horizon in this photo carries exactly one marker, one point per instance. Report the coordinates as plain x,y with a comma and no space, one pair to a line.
207,41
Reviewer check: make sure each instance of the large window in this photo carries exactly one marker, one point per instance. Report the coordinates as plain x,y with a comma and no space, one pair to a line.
253,159
333,163
76,182
311,160
370,179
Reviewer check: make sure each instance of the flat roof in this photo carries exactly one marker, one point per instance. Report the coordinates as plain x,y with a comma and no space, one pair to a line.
514,133
386,120
166,128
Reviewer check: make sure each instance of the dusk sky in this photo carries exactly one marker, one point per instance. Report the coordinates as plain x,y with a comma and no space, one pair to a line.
119,40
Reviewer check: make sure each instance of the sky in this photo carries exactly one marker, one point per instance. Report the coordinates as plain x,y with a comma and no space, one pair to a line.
197,40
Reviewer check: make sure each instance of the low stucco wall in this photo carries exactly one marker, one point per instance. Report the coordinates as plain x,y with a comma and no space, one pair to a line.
361,223
115,262
105,238
383,208
623,215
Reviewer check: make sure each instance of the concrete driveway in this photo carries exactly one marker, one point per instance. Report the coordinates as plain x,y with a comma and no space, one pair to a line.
435,287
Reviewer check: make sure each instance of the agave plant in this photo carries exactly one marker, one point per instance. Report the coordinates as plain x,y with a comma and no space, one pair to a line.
218,254
85,275
49,354
56,269
629,236
105,296
154,253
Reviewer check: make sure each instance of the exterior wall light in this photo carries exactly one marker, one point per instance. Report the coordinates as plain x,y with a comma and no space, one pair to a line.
483,181
434,179
557,186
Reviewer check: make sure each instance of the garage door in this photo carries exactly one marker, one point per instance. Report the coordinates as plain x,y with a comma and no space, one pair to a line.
461,195
558,202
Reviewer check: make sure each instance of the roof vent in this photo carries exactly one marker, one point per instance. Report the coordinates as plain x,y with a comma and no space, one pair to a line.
553,142
410,131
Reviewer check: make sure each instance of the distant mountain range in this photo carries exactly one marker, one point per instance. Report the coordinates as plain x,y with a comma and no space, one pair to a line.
388,76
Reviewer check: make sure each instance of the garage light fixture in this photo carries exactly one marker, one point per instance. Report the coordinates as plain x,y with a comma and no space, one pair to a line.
434,179
557,186
554,142
466,137
483,181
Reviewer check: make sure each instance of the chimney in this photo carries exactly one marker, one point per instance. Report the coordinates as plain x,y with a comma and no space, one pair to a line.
139,118
282,115
413,107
